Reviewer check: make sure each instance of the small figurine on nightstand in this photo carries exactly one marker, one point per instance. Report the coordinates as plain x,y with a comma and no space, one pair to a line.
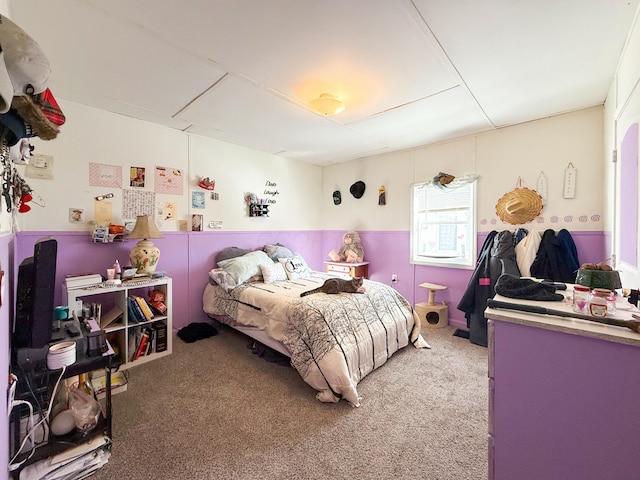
351,250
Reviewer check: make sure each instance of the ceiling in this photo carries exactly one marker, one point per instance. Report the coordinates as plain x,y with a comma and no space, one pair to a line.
411,72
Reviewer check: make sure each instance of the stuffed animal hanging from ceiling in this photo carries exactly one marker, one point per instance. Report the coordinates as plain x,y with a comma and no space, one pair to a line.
351,250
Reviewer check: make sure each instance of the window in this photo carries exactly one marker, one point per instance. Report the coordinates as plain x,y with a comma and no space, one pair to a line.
443,227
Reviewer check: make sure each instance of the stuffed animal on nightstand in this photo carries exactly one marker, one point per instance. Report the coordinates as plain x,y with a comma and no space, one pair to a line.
351,250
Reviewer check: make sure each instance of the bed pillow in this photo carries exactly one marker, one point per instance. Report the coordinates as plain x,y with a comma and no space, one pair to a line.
273,272
222,278
295,267
243,268
230,252
277,251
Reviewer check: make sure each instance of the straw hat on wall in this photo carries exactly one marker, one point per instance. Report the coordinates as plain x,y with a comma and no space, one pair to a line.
518,206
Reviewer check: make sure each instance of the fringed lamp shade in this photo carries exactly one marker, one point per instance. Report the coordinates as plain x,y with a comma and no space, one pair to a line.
145,255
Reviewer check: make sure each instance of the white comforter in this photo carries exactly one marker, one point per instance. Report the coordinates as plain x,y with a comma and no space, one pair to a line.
334,340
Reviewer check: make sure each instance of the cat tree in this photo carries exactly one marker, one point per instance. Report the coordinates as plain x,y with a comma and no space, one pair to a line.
432,314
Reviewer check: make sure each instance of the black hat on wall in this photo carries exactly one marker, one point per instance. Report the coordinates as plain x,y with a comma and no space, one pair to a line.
357,189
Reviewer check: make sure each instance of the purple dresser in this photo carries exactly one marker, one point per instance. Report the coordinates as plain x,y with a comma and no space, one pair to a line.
564,397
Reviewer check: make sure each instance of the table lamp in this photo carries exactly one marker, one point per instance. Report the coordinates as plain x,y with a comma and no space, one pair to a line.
145,255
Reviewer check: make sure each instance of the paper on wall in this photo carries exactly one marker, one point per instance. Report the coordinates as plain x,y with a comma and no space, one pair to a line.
103,212
40,166
570,174
137,202
102,175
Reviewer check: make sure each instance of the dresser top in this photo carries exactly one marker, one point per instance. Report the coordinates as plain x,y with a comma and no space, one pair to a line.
571,325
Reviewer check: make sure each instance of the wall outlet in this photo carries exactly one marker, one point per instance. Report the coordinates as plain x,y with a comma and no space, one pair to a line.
394,278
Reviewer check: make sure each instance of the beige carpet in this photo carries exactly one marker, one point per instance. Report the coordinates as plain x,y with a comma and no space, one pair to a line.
214,410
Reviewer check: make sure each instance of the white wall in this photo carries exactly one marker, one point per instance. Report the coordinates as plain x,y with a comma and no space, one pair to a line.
239,170
499,157
545,146
394,171
95,136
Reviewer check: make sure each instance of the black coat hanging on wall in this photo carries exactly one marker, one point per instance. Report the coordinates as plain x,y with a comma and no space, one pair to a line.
557,257
497,256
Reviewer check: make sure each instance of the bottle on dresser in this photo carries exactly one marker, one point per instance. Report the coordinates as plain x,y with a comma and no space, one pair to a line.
117,270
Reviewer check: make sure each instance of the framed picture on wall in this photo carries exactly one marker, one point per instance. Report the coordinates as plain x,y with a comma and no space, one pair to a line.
196,223
197,199
136,176
76,215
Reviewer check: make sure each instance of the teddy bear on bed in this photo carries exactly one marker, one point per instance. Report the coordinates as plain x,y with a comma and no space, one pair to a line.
351,250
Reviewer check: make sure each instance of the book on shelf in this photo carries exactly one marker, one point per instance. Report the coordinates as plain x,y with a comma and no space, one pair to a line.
112,316
141,350
150,311
138,314
134,338
144,306
76,276
96,310
160,328
151,345
137,280
82,280
131,313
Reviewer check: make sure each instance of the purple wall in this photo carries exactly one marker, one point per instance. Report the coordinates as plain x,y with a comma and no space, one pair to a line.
389,253
188,257
77,254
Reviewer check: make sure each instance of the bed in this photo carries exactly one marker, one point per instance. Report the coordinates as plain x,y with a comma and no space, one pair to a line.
333,341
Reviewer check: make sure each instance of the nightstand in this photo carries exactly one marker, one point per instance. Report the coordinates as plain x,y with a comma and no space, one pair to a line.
360,269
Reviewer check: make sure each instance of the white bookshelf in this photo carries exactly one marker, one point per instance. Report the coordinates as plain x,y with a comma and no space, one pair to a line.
122,335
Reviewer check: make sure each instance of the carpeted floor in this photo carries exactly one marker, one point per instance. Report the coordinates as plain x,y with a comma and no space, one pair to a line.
215,410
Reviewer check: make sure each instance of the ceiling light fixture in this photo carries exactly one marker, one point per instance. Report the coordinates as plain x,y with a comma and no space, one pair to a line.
327,104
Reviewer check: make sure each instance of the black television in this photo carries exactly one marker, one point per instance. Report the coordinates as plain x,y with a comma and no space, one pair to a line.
35,297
